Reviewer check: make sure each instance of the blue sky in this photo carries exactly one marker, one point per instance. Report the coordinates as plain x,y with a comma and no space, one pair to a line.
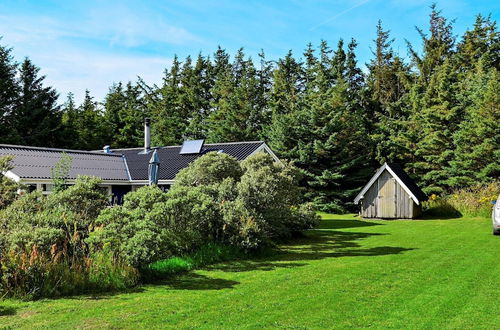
91,44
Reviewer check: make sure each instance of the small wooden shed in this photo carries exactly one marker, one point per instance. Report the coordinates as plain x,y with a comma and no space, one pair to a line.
390,194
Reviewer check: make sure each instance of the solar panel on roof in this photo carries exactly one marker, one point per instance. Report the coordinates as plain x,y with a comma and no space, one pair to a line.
191,147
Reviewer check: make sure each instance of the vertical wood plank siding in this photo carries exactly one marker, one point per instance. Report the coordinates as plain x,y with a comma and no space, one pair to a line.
387,199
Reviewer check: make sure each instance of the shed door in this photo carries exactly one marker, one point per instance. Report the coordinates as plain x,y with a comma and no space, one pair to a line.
386,196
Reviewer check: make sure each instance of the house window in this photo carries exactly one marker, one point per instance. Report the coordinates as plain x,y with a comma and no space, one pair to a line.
164,187
47,188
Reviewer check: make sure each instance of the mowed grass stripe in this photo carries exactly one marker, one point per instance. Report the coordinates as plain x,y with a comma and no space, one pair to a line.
423,274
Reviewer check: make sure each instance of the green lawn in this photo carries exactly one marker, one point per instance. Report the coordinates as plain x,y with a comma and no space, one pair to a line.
349,273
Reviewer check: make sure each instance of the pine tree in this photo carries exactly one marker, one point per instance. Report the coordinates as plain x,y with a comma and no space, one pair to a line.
169,118
235,115
8,93
197,85
388,81
90,125
124,114
36,116
477,155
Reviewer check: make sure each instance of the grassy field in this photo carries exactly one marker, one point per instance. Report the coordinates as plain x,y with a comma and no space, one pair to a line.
440,274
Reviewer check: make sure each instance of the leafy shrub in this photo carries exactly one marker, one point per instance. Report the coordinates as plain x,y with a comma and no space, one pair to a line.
63,219
60,172
440,207
270,192
136,231
43,249
153,225
214,200
210,169
8,187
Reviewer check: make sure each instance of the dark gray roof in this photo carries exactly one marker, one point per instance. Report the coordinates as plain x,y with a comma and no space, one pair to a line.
36,163
409,183
171,162
122,164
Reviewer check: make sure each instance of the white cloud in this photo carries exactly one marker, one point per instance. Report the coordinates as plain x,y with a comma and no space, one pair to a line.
94,49
75,71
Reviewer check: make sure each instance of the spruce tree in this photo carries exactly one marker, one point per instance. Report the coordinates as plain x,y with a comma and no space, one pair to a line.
236,116
8,94
197,85
435,111
477,155
169,120
90,125
286,130
124,114
338,151
389,80
69,119
482,42
35,116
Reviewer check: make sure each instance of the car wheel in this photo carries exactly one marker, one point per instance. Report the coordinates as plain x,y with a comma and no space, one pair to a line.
496,232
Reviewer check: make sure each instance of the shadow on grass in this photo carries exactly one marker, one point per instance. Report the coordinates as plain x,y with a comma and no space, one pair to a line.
315,245
341,223
98,295
194,281
7,311
427,216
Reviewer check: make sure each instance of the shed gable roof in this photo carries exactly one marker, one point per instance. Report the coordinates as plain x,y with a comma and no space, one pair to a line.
401,177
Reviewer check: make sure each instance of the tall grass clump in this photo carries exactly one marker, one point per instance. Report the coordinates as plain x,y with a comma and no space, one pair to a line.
34,274
206,255
474,201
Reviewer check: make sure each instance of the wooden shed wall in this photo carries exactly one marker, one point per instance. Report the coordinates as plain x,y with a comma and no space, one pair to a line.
397,204
369,203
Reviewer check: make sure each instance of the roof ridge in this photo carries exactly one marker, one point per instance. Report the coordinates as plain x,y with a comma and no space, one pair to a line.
178,146
15,146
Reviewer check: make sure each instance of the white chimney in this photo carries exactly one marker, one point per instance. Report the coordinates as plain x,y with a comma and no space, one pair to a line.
147,135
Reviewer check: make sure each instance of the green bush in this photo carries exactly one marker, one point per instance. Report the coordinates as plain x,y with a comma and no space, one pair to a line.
43,249
270,192
440,207
136,232
210,169
63,219
8,187
214,200
475,200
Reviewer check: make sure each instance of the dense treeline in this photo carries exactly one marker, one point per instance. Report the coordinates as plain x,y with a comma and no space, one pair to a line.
436,112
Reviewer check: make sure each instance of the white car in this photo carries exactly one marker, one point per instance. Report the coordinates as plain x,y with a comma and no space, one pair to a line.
495,216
